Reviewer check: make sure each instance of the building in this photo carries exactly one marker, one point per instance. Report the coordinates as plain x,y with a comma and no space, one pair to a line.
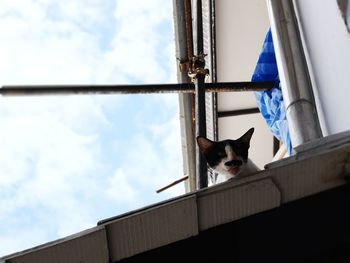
294,210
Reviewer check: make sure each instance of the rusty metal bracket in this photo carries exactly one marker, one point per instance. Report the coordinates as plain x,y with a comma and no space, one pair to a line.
184,66
194,67
197,67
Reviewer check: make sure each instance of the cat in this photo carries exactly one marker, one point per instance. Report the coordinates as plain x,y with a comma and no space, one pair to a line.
229,158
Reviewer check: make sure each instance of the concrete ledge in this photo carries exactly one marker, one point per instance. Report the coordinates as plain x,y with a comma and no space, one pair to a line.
88,247
312,174
234,203
152,228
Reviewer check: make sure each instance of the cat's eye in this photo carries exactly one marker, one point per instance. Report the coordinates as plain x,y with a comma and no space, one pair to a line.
221,154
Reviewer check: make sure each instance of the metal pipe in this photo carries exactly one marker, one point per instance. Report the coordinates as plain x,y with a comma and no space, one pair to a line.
293,71
130,89
209,50
172,184
201,128
214,65
188,26
233,113
184,50
184,54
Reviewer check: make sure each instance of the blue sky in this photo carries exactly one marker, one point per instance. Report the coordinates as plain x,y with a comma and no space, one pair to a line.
67,162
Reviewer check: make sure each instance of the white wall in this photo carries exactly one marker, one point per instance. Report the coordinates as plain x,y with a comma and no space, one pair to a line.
327,44
241,29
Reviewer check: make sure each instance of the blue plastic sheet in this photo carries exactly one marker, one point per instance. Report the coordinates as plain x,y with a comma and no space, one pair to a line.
270,102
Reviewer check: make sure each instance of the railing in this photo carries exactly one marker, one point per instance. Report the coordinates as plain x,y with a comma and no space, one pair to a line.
199,88
36,90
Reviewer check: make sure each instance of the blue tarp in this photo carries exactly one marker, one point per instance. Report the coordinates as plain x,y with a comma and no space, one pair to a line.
270,102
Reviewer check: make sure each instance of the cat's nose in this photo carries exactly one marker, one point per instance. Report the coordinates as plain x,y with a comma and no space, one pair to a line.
234,163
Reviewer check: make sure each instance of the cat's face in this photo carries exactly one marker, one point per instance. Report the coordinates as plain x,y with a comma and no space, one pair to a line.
227,157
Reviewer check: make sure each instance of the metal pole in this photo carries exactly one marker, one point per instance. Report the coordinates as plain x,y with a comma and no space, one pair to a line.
232,113
295,81
184,51
201,129
31,90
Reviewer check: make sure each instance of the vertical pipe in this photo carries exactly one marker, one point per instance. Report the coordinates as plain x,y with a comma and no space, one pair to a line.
214,66
184,51
294,75
201,166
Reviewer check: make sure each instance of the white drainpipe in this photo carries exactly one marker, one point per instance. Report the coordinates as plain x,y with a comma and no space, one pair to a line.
293,72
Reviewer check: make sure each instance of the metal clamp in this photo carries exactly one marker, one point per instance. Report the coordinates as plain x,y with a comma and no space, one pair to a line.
195,67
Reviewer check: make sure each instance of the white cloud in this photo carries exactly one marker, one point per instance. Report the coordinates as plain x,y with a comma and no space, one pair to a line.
153,162
120,189
54,172
41,153
55,42
50,42
25,237
48,165
140,47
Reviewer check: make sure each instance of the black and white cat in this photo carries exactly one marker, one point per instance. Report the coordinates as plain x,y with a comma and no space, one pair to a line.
229,158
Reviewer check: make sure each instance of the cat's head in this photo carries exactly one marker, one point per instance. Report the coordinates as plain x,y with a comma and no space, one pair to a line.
227,157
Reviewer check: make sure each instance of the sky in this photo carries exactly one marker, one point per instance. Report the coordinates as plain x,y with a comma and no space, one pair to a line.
67,162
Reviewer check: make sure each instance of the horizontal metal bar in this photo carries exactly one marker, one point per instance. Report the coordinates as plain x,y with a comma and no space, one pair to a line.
28,90
232,113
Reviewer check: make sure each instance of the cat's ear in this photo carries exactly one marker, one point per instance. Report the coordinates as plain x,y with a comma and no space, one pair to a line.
247,136
204,144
